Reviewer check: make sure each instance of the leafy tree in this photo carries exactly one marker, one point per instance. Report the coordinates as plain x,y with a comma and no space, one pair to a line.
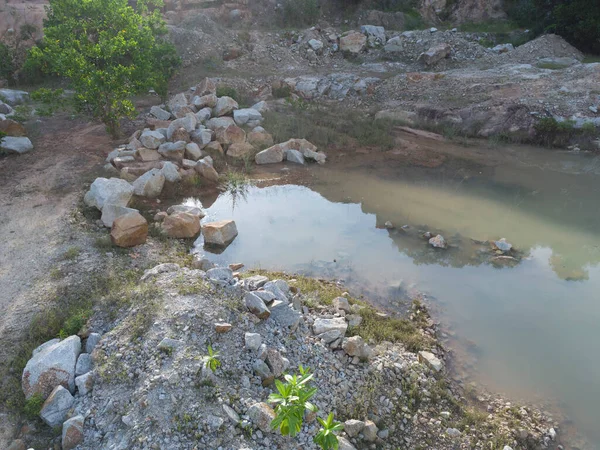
109,51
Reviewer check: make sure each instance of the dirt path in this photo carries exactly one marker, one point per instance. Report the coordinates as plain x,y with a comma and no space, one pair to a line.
37,193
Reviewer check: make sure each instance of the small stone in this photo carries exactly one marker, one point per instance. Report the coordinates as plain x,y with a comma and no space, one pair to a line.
353,427
222,327
370,431
91,342
85,383
341,303
261,416
503,245
72,433
84,364
256,306
252,341
438,241
453,432
57,405
430,360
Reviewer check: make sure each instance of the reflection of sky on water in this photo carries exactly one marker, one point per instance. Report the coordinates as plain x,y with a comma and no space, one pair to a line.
537,333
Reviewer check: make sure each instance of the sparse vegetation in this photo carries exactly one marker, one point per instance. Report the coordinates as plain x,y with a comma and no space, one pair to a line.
228,91
211,361
298,13
33,406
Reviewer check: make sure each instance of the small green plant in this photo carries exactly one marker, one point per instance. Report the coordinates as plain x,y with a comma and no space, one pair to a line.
292,400
212,361
326,437
227,91
74,323
33,406
51,100
282,91
71,254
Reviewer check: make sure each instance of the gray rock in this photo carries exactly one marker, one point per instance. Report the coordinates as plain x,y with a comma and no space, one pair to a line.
252,341
193,152
177,102
374,33
219,122
225,106
160,113
203,115
453,432
341,303
155,271
169,345
261,416
45,345
13,96
110,212
277,363
271,155
247,116
344,444
262,108
430,360
152,139
188,123
85,383
279,288
150,184
316,45
57,405
503,245
84,364
193,210
356,346
171,172
256,282
503,48
559,62
337,324
72,432
261,369
435,54
285,315
202,137
256,306
394,45
173,150
54,365
220,274
18,145
92,341
353,427
266,296
295,156
370,431
206,170
231,414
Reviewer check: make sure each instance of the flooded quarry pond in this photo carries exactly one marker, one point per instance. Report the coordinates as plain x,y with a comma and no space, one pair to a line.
526,327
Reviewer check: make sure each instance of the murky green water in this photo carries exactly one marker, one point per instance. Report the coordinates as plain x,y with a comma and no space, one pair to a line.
529,328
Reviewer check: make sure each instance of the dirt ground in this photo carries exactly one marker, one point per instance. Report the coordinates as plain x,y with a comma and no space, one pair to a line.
38,191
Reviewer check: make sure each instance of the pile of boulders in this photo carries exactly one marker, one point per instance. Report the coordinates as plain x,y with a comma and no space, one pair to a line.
16,140
157,390
130,228
59,372
185,137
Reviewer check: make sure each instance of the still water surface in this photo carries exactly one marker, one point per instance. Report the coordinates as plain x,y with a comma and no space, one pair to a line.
530,329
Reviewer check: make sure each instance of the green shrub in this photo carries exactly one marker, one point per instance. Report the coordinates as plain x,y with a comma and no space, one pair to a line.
7,67
33,406
297,13
326,438
74,323
211,361
283,91
227,91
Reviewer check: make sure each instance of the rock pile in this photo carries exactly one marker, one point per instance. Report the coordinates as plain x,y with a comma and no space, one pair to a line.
157,390
15,140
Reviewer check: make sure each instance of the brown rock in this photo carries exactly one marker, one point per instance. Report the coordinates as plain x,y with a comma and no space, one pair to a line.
240,149
232,53
129,230
181,134
160,216
181,225
353,42
207,171
435,54
206,87
153,123
222,327
12,128
260,140
72,433
236,266
219,233
230,135
17,444
182,111
148,154
214,150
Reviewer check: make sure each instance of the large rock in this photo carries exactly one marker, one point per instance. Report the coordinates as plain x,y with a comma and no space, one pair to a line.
150,184
171,172
240,150
110,212
13,96
202,137
85,383
225,106
375,34
204,114
206,170
353,427
285,315
173,150
256,306
18,145
148,154
129,230
180,134
261,416
219,122
430,360
247,116
188,123
271,155
152,139
259,139
113,191
356,346
438,241
219,233
394,45
12,128
230,135
295,156
72,433
206,87
353,42
57,405
84,364
178,101
193,151
51,365
330,329
435,54
194,210
181,225
205,101
370,431
160,113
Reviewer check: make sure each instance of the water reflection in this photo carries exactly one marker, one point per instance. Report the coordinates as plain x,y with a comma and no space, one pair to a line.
532,331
